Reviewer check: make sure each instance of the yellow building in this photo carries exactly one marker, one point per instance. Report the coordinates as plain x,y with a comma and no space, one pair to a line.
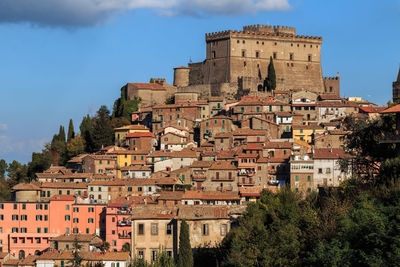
121,132
306,132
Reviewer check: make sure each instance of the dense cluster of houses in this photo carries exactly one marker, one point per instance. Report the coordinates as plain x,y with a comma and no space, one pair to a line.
199,161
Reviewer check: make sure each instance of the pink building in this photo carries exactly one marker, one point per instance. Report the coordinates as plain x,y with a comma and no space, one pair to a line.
26,227
118,231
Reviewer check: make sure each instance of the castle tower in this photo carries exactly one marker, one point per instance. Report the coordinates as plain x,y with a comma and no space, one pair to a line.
181,76
332,85
240,59
396,89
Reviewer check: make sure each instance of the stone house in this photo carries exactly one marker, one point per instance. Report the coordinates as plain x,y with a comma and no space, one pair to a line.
210,127
327,170
175,160
221,176
244,136
133,172
260,123
121,132
305,103
302,174
99,164
330,139
140,141
85,241
223,141
306,132
165,115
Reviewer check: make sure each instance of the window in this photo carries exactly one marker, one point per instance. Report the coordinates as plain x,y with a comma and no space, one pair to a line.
76,209
328,170
87,230
24,206
46,207
66,207
129,189
169,229
205,229
67,217
14,217
224,228
291,56
15,206
154,228
309,58
14,230
75,230
154,255
46,217
309,178
140,253
1,206
91,209
91,188
274,55
2,217
140,189
68,192
140,229
24,230
99,189
39,217
243,53
90,220
257,54
320,170
296,178
46,230
76,220
39,230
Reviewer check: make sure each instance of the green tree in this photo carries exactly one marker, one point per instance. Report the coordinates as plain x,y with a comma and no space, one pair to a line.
123,106
17,173
71,132
41,161
77,259
126,247
3,168
61,134
185,255
75,146
105,246
271,79
86,129
103,132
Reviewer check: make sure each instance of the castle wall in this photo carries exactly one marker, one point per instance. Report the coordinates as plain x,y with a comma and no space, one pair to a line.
332,85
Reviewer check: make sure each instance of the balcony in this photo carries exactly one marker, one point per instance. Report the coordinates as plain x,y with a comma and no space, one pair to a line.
124,223
124,212
199,177
245,181
246,172
124,236
222,179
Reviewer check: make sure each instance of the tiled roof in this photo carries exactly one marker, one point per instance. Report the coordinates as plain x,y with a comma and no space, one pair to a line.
329,97
133,127
287,145
249,132
62,198
309,127
226,154
223,165
171,195
223,135
157,212
136,168
201,164
394,109
62,185
73,237
215,99
152,86
330,153
210,195
26,187
250,191
278,160
139,134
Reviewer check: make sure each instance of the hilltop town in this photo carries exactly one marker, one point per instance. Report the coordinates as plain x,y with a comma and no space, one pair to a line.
255,116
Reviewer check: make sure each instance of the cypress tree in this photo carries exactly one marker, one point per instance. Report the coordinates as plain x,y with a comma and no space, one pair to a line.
185,256
271,75
86,129
103,132
71,133
61,134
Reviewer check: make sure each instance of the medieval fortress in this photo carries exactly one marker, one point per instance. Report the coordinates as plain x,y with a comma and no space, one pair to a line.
237,62
236,65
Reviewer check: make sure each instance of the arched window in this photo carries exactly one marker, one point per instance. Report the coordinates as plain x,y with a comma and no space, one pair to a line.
21,254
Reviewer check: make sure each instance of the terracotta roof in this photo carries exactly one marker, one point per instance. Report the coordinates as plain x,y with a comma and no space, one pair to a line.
201,164
62,198
330,153
29,260
223,165
249,132
277,160
11,262
310,127
372,109
101,157
226,154
3,255
139,134
78,237
329,97
132,127
86,256
62,185
223,135
158,212
284,113
152,86
210,195
287,145
394,109
242,155
136,168
171,195
215,99
26,187
250,191
262,160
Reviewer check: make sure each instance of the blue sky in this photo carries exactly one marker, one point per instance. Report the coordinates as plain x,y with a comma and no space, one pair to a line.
63,59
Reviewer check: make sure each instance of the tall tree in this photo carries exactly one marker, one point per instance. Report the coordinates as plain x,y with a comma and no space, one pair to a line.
3,168
61,134
75,146
71,132
103,132
77,259
271,80
185,256
86,129
17,173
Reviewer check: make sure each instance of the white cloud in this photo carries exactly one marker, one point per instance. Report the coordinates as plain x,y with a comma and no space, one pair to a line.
3,127
76,13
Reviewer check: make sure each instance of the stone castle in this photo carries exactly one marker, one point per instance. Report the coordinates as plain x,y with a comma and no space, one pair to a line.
237,63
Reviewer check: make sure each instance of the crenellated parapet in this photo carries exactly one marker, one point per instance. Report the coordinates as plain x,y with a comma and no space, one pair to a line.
331,78
262,32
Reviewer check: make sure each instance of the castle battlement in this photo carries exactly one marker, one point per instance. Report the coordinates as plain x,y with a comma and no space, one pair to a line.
331,78
262,32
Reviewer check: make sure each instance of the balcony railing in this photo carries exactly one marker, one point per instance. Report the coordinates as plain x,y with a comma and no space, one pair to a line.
246,182
216,179
199,177
124,236
124,223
